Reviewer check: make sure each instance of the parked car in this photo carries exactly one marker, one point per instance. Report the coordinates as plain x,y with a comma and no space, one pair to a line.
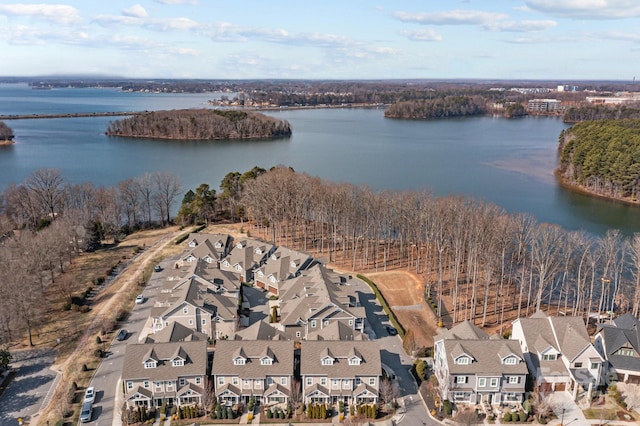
87,412
139,299
122,334
158,268
392,331
90,395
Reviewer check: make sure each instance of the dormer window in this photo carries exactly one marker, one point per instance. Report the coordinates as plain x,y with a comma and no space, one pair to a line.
238,268
266,361
226,263
293,264
150,363
219,244
354,360
510,360
549,357
178,362
208,259
258,250
463,360
239,361
327,360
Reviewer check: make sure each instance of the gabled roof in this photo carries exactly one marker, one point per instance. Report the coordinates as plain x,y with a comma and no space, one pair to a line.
312,352
285,263
487,355
624,332
253,351
176,332
195,354
260,330
464,330
336,330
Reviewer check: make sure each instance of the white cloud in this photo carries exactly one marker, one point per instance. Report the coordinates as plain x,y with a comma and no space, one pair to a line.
135,11
520,26
618,35
58,13
427,34
453,17
587,9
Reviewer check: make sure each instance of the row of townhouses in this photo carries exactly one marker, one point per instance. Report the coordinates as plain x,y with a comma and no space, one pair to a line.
202,300
556,353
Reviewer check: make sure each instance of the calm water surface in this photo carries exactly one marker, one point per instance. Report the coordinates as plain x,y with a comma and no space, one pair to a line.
506,162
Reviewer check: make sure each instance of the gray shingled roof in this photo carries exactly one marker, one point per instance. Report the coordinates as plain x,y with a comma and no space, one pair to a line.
226,350
623,332
312,352
135,355
487,355
464,330
260,330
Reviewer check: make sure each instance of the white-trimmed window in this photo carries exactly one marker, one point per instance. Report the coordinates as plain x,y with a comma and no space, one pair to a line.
595,365
182,381
235,381
327,360
270,381
297,334
198,380
177,362
461,379
351,322
313,323
221,380
462,360
145,384
238,361
266,361
514,379
354,361
325,323
482,382
323,381
372,381
185,310
283,381
510,360
494,382
150,364
204,322
309,381
548,357
129,385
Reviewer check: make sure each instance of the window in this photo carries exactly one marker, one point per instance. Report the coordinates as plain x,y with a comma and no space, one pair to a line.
313,323
354,361
185,310
323,381
146,384
578,365
158,385
166,323
510,360
350,322
327,361
234,381
129,385
177,362
297,334
549,357
462,360
358,381
595,365
204,322
150,364
182,381
238,361
482,382
494,382
514,379
283,381
372,381
309,381
221,380
463,379
325,323
198,380
190,322
270,381
266,361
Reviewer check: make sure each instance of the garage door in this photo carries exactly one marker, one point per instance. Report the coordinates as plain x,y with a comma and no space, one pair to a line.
634,379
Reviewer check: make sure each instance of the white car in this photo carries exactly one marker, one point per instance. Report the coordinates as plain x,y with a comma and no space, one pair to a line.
139,299
90,395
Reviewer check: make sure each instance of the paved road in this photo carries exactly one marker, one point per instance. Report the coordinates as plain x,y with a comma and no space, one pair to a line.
26,393
106,381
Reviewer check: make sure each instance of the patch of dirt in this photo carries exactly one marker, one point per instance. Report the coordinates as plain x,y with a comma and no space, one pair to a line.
403,288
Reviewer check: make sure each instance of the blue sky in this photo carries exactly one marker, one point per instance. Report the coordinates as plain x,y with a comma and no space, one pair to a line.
323,39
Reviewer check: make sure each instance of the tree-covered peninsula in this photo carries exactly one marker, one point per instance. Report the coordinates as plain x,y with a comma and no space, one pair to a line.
6,134
204,124
441,107
602,157
601,112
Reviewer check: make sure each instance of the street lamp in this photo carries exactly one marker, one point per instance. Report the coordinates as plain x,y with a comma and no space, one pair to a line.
562,418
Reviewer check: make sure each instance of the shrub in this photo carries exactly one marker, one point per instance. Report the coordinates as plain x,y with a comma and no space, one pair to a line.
84,367
507,417
526,406
523,416
447,407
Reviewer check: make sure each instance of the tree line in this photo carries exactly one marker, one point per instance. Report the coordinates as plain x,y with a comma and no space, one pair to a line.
603,157
441,107
204,124
601,112
478,261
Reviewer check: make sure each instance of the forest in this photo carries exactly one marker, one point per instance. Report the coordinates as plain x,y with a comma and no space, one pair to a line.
603,157
478,262
202,124
601,112
5,132
441,107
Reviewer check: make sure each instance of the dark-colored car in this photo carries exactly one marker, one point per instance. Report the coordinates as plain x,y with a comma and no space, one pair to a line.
122,334
392,331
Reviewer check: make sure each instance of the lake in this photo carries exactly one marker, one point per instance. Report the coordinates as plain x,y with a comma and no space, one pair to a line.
506,162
